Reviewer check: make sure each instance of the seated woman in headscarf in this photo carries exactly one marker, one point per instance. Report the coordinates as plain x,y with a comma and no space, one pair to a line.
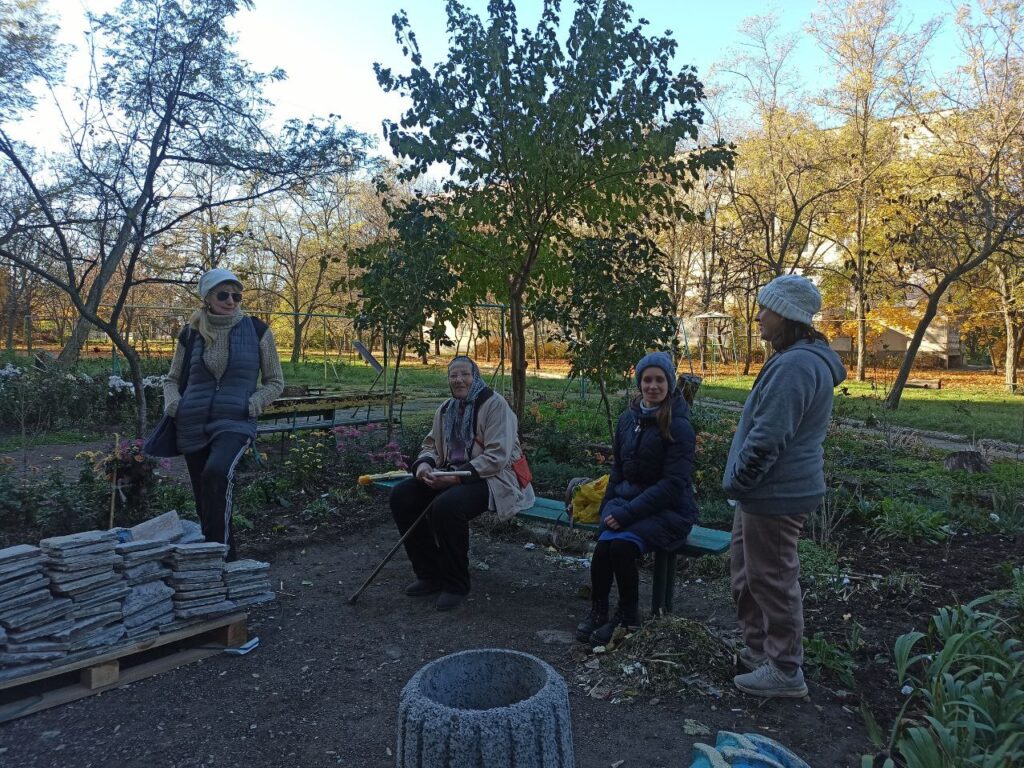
475,432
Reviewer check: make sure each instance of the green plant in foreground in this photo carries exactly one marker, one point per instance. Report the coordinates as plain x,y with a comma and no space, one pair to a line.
821,657
966,692
899,519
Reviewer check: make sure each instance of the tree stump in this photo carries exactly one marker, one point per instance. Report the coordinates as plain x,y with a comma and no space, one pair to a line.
966,461
486,708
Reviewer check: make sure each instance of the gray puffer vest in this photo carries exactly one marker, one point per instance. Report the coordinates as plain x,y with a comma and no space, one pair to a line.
208,406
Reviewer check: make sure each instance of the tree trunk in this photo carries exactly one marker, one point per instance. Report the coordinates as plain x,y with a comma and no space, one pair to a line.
296,340
1011,351
536,343
73,347
862,335
607,408
1010,325
517,332
892,401
394,390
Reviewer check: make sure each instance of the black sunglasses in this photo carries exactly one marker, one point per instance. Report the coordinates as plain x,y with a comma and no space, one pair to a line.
223,296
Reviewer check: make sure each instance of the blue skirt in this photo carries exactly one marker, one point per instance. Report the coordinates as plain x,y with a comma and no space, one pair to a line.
610,535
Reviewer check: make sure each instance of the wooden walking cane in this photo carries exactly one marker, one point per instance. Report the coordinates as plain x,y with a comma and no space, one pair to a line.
401,541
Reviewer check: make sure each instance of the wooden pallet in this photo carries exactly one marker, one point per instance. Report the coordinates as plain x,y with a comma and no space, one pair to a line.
124,664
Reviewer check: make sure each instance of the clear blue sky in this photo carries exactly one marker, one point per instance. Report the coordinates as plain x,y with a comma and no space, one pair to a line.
328,47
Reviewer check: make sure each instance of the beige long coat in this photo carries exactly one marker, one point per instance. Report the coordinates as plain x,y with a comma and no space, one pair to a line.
495,449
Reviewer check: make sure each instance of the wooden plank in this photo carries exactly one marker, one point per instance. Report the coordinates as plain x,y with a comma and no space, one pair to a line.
924,383
231,636
101,675
38,702
128,649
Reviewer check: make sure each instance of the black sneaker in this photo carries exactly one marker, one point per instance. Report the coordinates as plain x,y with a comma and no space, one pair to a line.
624,617
422,587
598,615
448,601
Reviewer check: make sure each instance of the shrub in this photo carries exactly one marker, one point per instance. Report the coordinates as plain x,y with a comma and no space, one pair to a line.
898,519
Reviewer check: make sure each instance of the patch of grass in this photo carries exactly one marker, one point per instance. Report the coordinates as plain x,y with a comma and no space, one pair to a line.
993,413
12,443
897,519
903,583
823,659
818,563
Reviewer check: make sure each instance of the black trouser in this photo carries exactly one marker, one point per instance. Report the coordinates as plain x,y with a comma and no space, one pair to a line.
615,559
212,472
439,546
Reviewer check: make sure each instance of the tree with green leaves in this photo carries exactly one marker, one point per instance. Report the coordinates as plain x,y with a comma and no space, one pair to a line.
613,310
168,95
542,137
406,283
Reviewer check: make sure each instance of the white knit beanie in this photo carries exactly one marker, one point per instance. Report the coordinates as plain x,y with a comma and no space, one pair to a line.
215,277
791,296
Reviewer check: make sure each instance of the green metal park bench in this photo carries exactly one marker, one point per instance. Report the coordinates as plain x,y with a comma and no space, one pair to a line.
701,541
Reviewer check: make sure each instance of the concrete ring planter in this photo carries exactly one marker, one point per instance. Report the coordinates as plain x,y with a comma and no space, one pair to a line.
486,708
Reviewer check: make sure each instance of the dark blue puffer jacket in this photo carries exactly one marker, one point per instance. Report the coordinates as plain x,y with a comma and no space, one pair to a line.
209,407
650,491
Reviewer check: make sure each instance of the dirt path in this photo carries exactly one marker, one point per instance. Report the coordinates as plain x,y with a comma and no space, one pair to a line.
323,688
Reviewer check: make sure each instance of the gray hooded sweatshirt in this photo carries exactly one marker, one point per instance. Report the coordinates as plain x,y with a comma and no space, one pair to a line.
776,463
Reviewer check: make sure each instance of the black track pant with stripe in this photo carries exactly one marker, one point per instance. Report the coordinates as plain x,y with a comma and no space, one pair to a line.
212,472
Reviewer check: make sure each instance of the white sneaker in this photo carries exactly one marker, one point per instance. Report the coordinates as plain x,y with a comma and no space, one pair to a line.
770,682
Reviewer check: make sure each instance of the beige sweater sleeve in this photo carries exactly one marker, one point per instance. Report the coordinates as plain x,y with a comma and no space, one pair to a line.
495,436
171,395
272,376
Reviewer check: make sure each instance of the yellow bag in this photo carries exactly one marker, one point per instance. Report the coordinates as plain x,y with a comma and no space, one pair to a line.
587,501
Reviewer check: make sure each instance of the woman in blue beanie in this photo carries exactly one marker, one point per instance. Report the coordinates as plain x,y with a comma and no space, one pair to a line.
649,504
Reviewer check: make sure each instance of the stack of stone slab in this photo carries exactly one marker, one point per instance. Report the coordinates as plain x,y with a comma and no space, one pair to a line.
81,569
197,575
248,582
148,606
31,619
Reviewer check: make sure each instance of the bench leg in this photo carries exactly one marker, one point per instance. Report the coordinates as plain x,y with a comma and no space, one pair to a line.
664,584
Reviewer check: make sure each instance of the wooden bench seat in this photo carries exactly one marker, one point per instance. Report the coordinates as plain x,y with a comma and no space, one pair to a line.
701,541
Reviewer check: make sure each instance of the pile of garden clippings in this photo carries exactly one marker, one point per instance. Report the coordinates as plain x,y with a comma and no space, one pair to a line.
77,596
668,656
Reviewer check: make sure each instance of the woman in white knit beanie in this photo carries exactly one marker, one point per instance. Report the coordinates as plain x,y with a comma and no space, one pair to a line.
775,474
224,372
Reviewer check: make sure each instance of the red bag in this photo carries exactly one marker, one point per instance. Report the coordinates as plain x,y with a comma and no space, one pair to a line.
522,471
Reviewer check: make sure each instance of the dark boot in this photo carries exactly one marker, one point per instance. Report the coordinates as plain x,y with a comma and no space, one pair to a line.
625,616
598,615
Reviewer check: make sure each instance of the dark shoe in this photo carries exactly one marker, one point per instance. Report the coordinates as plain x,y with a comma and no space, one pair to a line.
624,617
448,601
597,617
422,587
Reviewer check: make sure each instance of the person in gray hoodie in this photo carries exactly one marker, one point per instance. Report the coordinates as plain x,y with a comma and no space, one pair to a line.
775,475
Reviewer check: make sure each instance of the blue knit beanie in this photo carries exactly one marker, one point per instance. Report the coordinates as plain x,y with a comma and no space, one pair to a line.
658,360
